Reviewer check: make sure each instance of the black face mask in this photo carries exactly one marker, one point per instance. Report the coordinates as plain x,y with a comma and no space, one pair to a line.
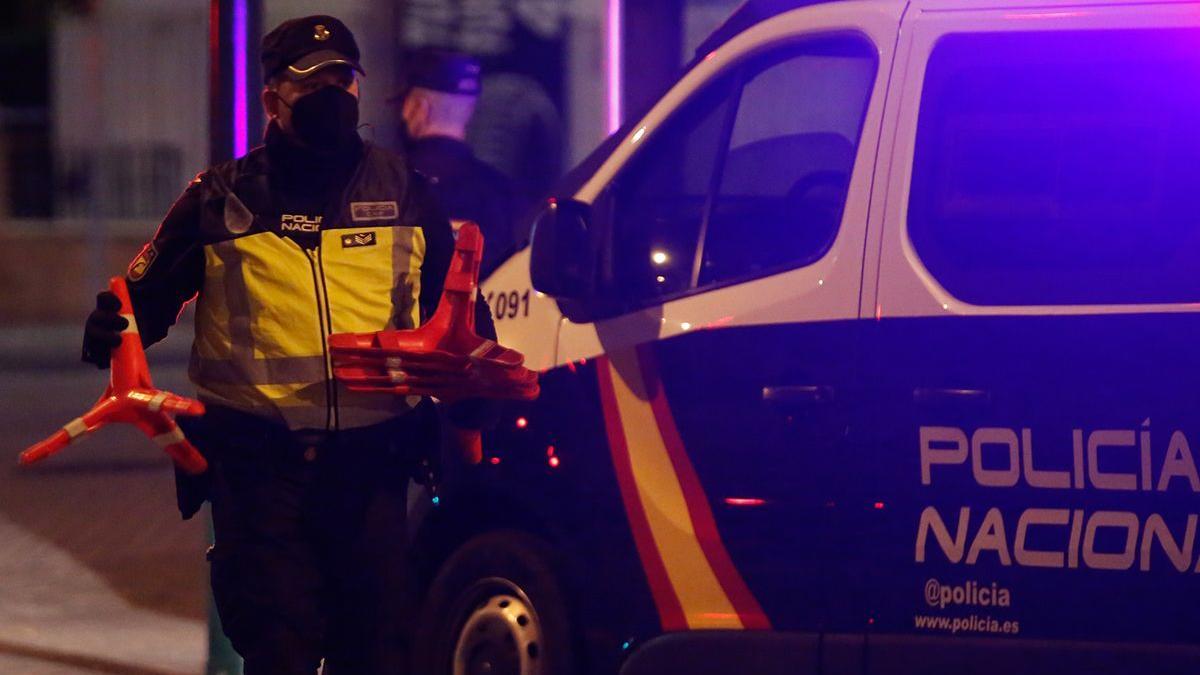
326,119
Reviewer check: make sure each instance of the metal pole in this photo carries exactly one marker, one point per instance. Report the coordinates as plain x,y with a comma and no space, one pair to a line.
235,123
98,206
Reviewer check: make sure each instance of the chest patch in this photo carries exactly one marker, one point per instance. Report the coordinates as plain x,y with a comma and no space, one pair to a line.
358,239
361,211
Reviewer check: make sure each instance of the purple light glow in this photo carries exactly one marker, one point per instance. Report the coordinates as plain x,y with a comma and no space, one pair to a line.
614,65
241,110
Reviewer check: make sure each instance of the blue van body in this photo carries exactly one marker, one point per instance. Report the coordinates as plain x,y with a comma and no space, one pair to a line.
1008,485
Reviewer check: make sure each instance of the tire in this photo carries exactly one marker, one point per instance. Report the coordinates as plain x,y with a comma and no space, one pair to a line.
496,607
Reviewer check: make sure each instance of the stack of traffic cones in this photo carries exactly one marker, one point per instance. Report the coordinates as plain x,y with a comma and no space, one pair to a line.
444,358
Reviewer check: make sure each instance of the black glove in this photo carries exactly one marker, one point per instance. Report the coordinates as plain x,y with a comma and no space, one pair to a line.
102,332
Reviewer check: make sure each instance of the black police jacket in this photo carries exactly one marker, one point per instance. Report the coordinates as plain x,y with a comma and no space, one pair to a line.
467,188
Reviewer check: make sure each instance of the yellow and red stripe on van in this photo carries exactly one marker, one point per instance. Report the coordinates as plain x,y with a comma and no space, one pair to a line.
691,576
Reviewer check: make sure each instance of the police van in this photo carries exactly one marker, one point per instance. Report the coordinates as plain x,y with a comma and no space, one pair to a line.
872,347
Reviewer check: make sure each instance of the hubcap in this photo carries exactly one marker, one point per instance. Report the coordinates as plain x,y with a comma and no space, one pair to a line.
501,636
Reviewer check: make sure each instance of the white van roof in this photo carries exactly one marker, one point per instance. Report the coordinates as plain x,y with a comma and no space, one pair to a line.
1007,4
752,12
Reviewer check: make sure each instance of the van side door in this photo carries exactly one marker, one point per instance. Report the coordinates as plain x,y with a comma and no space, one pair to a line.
1033,365
727,348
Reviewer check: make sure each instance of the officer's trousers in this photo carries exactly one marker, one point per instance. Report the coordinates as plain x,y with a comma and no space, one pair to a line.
308,561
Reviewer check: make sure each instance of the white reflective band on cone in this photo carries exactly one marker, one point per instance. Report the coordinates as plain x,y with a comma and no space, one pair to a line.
170,438
156,403
75,428
132,327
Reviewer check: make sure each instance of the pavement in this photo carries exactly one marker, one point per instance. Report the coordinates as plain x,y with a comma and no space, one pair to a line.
59,615
98,574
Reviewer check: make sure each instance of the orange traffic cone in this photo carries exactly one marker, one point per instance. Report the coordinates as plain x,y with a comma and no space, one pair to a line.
131,399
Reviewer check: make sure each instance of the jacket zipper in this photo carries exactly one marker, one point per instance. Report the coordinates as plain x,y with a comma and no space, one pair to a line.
337,423
318,284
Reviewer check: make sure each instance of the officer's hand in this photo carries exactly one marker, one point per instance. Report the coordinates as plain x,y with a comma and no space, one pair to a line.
102,332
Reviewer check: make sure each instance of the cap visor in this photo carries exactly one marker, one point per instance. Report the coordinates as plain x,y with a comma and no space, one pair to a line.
315,61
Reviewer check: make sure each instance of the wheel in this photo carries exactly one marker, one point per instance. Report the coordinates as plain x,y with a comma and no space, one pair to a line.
495,608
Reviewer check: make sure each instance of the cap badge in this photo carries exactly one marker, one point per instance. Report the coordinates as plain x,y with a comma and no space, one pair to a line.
320,32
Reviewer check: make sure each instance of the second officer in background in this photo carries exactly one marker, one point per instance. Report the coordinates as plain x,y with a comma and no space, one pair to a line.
437,104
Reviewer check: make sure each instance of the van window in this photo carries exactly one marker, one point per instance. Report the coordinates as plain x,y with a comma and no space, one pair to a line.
1060,168
783,184
754,169
661,198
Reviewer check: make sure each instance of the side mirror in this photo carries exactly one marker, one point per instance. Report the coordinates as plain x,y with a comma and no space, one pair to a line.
562,257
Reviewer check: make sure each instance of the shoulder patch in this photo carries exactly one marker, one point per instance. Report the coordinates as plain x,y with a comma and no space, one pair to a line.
358,239
360,211
238,218
141,264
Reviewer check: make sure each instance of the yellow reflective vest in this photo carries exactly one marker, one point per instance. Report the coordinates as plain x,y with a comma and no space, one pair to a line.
266,304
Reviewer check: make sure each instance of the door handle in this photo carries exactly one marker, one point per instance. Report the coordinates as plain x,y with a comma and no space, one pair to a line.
951,395
793,397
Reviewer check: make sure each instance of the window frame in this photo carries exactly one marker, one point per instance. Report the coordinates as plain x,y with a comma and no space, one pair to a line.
606,305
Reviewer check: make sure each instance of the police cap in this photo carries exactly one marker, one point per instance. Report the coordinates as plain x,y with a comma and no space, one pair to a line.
300,47
443,70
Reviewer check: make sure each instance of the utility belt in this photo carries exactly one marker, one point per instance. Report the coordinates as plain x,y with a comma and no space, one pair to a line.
227,436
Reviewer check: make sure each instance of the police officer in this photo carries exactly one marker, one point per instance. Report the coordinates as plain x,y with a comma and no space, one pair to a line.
443,88
315,232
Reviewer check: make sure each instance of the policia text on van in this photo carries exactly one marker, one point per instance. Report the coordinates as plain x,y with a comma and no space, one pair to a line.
1079,532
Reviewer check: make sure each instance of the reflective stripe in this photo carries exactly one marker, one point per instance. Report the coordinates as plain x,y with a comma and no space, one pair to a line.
286,370
132,327
414,269
170,438
356,409
155,403
483,348
288,405
237,301
397,376
406,277
305,71
75,428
